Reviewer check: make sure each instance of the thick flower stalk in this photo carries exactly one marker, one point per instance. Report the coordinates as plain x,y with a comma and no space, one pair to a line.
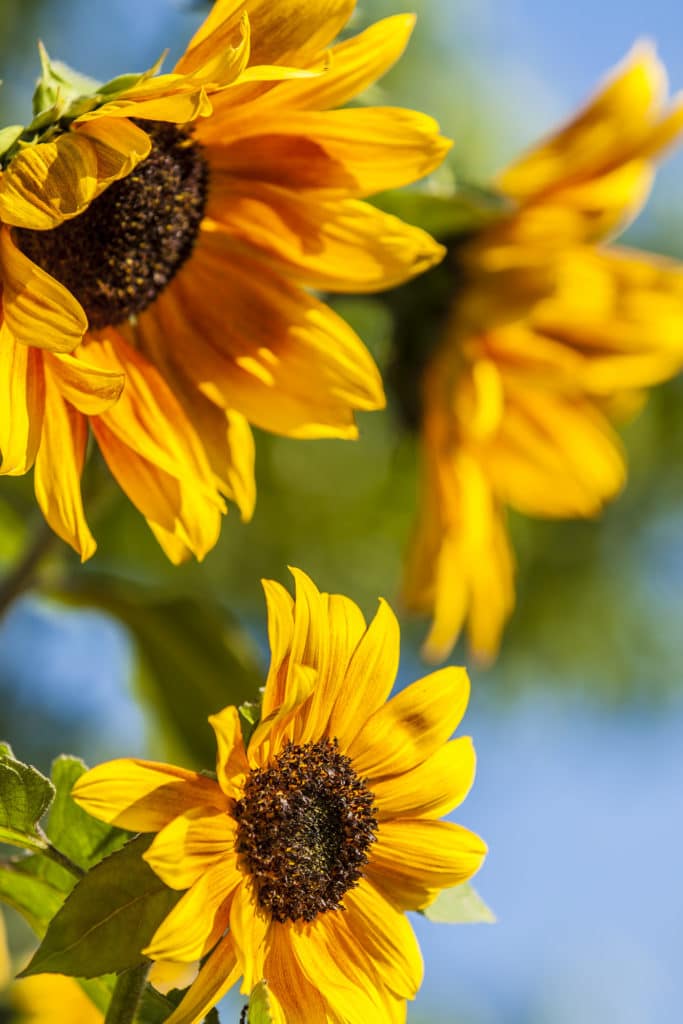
302,856
158,239
552,337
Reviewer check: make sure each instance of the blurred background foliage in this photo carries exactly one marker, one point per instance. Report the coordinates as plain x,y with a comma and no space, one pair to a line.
128,655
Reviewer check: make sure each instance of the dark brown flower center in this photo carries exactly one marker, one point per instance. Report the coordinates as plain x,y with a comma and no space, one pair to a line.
305,826
119,254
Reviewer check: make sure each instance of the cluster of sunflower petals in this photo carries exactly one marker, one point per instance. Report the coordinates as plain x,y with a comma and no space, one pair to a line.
553,337
167,357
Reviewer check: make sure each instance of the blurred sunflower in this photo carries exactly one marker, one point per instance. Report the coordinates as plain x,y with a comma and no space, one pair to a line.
550,339
332,805
158,234
52,999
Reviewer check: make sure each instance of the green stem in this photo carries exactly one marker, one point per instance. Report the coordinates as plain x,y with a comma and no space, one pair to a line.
129,988
48,850
23,575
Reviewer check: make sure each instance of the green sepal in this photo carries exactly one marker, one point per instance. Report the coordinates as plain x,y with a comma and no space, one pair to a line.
460,905
58,86
25,795
108,918
250,716
9,136
122,83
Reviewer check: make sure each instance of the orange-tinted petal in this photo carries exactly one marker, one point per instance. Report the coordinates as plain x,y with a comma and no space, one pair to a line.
282,359
336,246
344,153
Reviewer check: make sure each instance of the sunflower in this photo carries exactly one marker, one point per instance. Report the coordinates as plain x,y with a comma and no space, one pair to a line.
333,804
158,237
52,999
551,338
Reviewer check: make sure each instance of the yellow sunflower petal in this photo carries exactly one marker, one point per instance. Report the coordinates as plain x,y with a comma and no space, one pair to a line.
296,30
218,974
218,56
199,919
412,725
88,388
280,606
153,451
191,844
38,310
614,124
343,153
48,183
413,859
354,64
165,98
369,678
144,796
22,404
300,1000
432,789
119,145
250,929
386,936
282,359
231,757
334,246
343,975
59,465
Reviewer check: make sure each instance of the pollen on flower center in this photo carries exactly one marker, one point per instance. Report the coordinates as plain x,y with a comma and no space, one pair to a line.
305,825
118,255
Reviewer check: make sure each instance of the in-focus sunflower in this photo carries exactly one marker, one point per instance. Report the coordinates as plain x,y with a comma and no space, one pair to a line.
158,234
302,857
551,338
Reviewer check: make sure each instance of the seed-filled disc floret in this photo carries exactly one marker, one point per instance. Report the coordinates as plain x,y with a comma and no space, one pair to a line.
305,826
121,252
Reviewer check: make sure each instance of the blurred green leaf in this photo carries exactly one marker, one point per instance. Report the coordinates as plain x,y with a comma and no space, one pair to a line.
460,905
34,897
25,795
469,209
83,839
110,915
259,1005
194,657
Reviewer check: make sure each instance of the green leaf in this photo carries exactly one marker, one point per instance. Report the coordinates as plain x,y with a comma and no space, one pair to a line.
22,887
460,905
259,1005
469,209
110,915
25,795
194,659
